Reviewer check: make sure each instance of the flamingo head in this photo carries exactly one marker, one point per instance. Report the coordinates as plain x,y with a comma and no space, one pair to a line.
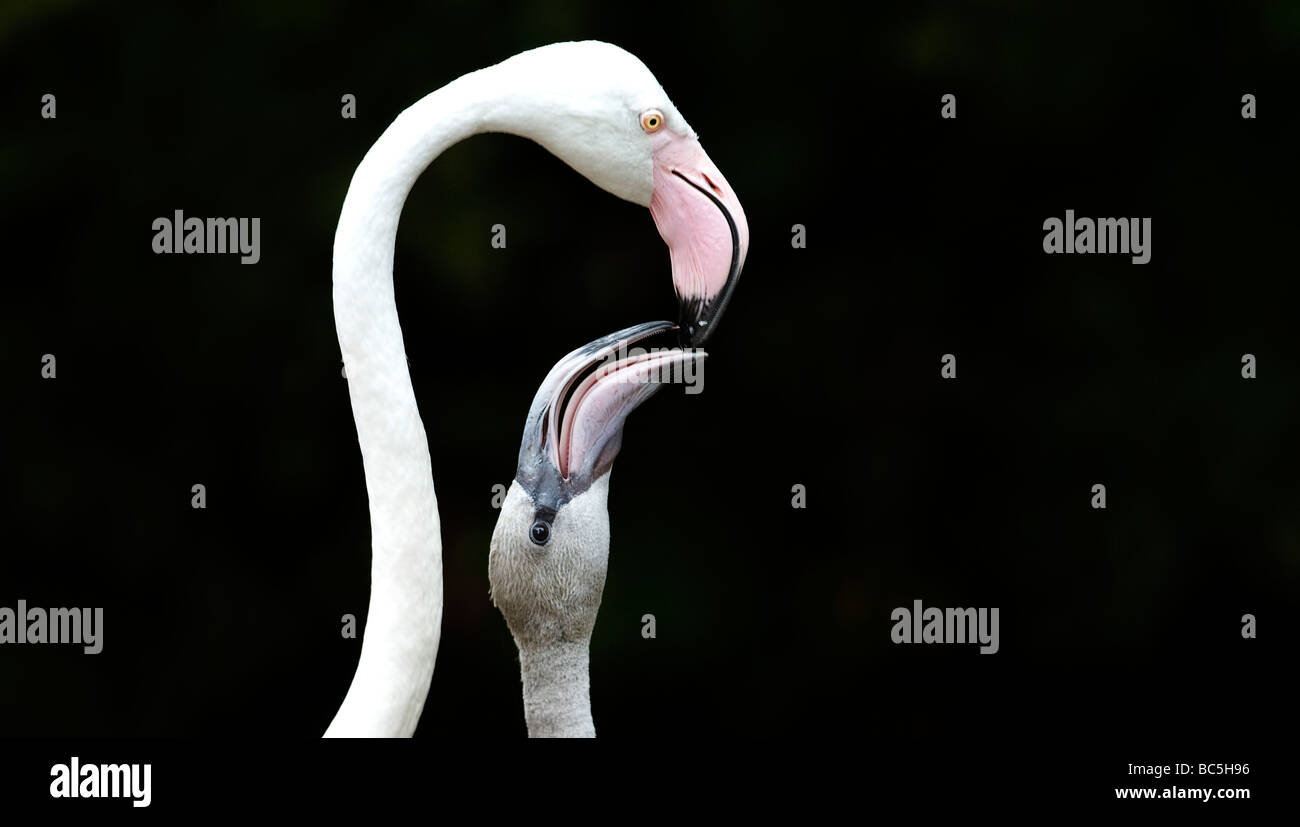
600,110
550,548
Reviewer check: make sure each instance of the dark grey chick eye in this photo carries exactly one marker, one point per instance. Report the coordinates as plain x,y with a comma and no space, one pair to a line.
540,532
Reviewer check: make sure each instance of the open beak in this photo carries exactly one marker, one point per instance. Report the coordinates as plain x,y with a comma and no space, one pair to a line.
575,424
704,226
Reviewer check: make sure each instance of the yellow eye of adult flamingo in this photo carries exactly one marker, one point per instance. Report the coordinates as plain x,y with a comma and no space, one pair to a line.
652,120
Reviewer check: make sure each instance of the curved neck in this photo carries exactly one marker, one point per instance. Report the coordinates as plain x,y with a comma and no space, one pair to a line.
400,641
557,690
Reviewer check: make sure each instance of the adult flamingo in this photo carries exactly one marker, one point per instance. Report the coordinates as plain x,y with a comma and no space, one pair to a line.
601,111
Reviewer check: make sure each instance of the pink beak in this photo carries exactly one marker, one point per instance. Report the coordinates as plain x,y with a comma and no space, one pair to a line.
704,226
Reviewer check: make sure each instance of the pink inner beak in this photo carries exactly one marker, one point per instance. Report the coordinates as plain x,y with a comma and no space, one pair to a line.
590,430
691,205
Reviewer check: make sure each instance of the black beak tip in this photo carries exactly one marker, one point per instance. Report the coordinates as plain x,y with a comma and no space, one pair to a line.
693,326
692,335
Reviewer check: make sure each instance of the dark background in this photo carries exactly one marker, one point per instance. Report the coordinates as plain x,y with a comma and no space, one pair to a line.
924,238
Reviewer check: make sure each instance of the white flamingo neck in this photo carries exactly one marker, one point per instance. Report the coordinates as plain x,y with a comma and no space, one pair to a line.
557,690
400,641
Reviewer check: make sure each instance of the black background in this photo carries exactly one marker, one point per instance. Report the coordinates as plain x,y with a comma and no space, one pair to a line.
924,238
